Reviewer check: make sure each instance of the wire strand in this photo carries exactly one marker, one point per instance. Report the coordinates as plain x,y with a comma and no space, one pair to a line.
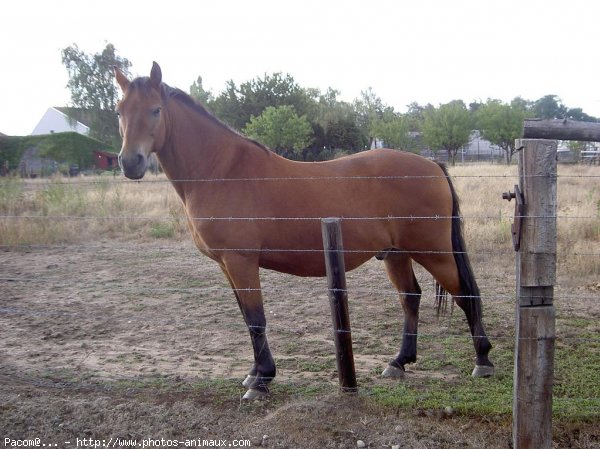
122,180
316,218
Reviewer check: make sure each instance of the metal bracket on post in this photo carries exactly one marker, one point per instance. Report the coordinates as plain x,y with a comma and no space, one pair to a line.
518,216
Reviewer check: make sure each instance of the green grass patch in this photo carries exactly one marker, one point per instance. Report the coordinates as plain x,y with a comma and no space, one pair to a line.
470,397
159,230
576,388
11,194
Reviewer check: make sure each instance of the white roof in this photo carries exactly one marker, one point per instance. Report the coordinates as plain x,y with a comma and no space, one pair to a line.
54,121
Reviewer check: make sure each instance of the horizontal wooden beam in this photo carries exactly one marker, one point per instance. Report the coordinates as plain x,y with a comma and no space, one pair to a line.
534,128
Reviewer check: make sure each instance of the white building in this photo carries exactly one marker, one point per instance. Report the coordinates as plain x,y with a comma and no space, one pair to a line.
55,121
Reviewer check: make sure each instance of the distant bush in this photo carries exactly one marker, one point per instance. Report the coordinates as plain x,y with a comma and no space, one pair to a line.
65,148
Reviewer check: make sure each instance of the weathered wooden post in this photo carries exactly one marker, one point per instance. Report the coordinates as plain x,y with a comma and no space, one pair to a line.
536,275
535,128
535,315
338,301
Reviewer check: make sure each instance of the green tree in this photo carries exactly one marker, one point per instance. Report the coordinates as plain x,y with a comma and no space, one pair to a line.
281,129
521,103
447,127
549,107
236,105
415,116
577,147
93,89
342,133
228,106
579,115
338,119
392,128
501,124
204,97
369,108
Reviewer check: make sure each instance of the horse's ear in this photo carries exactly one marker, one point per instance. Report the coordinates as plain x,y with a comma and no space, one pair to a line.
122,80
155,75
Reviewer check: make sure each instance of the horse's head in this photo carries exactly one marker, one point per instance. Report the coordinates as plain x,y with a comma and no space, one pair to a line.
141,121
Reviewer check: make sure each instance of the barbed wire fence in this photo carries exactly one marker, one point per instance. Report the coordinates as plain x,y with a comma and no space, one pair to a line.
361,330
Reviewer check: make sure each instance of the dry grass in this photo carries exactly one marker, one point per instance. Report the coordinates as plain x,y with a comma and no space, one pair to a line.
488,217
63,210
85,209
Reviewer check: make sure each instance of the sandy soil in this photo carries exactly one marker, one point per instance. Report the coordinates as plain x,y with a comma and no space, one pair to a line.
132,340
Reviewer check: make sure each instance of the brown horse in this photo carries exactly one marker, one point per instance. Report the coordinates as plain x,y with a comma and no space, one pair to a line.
249,208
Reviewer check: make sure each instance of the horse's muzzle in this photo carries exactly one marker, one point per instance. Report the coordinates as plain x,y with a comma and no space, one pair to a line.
133,166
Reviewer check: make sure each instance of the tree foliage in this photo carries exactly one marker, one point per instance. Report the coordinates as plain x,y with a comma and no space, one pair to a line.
305,123
350,127
237,104
447,127
369,108
197,92
93,89
501,124
281,129
392,128
415,116
549,107
67,147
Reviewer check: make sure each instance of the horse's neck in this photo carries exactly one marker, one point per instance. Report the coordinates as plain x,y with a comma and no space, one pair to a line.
199,149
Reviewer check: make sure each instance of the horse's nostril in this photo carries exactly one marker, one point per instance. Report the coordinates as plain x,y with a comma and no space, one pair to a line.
140,159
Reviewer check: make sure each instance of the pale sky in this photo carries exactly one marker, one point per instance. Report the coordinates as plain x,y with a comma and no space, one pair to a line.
428,51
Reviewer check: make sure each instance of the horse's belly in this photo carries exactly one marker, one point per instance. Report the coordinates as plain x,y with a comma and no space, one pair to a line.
312,265
294,263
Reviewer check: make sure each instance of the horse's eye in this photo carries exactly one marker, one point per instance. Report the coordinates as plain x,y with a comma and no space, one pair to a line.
118,114
156,112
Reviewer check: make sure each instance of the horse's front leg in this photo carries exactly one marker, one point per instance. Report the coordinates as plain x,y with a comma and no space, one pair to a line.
242,273
400,272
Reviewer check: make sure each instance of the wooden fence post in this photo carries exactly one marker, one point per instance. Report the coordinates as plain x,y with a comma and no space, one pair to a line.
535,128
535,315
338,301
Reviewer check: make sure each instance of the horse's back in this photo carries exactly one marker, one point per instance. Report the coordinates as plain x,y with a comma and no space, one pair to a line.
383,162
382,181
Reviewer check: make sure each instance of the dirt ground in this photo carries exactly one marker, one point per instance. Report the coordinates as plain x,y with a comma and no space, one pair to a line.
144,340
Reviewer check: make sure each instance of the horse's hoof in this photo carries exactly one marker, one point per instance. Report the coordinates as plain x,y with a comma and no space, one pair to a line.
249,380
254,395
483,371
393,372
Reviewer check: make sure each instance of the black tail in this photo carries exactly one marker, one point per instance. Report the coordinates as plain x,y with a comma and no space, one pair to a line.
468,285
469,298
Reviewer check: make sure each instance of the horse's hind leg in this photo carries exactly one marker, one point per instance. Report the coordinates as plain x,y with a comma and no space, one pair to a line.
400,272
466,294
471,305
